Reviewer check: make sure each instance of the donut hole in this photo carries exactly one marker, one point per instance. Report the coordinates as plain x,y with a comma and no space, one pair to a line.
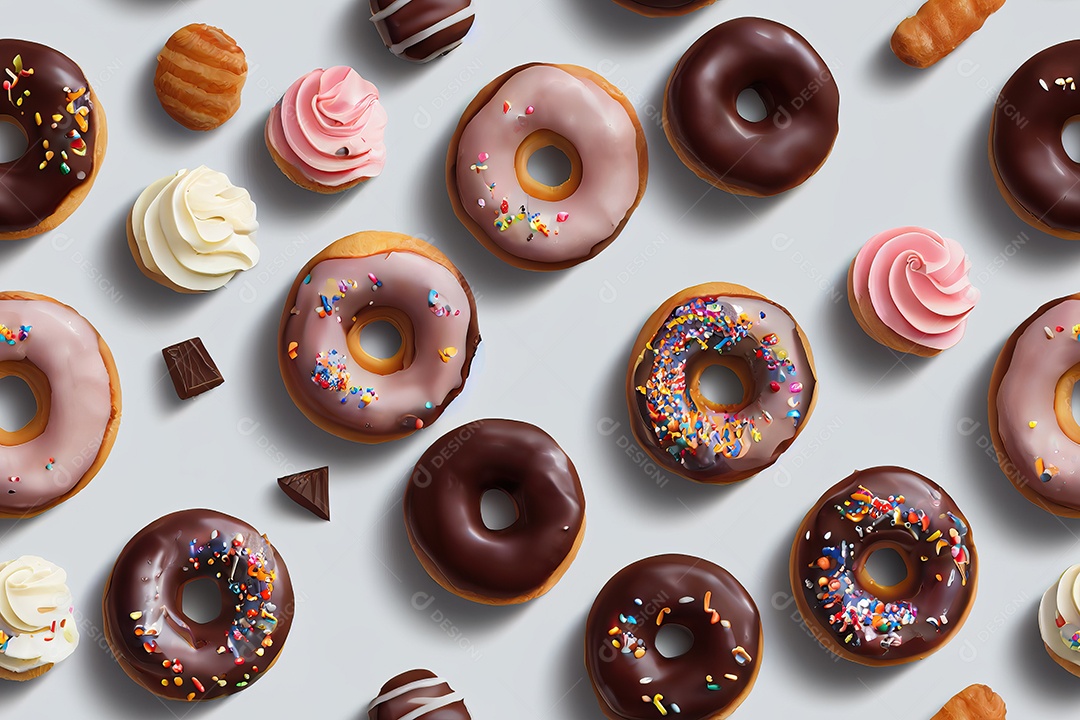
556,173
25,402
1070,138
886,571
18,405
886,567
13,141
719,384
673,640
200,600
1065,403
751,106
549,166
380,340
498,510
722,383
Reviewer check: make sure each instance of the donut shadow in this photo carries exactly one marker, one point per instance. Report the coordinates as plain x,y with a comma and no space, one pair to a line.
997,218
578,702
441,227
114,689
659,489
863,356
11,250
8,525
1039,670
273,192
688,195
357,33
1000,496
475,619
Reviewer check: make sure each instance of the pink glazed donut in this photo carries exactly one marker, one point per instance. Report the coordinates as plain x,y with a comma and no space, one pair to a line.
1030,407
372,277
523,221
71,373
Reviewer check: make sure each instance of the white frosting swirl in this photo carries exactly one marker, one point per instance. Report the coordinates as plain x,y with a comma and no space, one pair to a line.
196,229
1059,616
36,623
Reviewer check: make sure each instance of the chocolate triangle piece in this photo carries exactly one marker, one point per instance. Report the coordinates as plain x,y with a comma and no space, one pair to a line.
310,490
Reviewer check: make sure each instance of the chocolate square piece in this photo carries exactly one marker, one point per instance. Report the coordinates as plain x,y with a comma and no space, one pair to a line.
310,490
191,368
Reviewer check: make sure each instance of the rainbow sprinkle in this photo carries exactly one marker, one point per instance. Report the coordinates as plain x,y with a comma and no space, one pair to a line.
11,336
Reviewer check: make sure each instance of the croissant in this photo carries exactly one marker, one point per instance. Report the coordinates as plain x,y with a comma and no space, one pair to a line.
975,702
938,28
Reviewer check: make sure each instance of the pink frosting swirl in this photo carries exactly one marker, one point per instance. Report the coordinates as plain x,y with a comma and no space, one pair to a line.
918,284
329,125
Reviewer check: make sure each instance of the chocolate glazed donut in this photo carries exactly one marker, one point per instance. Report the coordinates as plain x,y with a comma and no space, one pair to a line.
849,612
1037,178
445,527
51,102
801,100
633,681
170,654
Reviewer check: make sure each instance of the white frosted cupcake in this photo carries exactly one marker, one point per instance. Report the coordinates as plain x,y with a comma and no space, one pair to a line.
37,629
1059,620
193,231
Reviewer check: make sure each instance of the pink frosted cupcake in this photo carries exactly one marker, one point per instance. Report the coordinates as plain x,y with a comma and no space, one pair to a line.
910,291
326,132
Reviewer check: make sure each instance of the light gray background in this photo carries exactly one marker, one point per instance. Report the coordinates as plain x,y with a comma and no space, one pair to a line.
911,150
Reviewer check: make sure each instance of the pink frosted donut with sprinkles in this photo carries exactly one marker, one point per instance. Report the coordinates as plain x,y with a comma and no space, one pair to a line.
71,373
1035,435
693,435
377,277
527,222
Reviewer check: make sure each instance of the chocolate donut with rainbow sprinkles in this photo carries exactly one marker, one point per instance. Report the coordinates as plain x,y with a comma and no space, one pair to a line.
873,621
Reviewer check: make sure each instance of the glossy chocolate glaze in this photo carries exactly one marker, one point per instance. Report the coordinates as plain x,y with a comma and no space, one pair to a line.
1029,115
801,100
672,589
145,591
29,193
415,19
442,507
842,526
405,694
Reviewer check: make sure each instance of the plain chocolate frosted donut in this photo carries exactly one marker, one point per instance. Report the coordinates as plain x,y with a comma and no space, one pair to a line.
445,527
801,100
